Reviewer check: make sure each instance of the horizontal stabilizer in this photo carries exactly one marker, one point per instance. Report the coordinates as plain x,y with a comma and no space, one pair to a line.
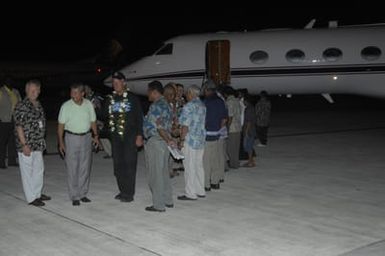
328,97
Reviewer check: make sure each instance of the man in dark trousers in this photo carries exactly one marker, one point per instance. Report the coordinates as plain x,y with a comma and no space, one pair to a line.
9,97
263,112
125,120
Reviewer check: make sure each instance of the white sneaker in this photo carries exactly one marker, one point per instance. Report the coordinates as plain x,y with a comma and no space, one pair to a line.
261,145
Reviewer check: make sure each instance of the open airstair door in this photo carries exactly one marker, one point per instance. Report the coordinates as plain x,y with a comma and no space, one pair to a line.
218,61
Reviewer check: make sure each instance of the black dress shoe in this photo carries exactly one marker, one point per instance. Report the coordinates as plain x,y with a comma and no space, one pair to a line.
125,199
13,164
170,205
221,180
186,198
37,202
201,196
118,196
85,200
153,209
3,167
44,197
75,202
215,186
207,189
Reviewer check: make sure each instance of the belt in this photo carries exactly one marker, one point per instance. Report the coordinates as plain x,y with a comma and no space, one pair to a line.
212,133
78,134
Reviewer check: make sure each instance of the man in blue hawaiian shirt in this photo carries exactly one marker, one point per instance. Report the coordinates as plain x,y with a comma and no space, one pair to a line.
157,128
193,136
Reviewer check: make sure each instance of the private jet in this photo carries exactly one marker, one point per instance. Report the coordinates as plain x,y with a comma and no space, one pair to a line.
332,60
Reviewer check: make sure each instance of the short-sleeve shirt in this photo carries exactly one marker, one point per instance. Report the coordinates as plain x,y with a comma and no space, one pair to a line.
251,118
159,116
32,120
8,100
194,117
263,110
77,118
234,108
215,112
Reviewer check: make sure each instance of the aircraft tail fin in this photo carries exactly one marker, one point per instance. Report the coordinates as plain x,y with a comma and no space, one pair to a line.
328,97
310,24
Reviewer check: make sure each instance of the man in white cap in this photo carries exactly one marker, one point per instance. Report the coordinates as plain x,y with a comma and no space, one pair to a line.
125,119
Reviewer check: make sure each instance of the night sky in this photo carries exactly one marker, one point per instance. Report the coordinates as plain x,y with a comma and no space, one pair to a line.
62,32
70,32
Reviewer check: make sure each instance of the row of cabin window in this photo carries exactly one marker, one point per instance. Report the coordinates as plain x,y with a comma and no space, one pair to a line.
369,53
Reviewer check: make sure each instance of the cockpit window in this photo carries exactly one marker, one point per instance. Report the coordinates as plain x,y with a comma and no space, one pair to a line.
165,50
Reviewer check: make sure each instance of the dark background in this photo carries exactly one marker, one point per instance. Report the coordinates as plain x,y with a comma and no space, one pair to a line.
60,32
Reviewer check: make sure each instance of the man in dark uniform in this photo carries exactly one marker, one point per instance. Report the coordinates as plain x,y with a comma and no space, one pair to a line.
125,119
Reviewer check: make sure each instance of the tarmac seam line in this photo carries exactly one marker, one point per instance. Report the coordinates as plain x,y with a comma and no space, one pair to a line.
326,132
362,247
86,226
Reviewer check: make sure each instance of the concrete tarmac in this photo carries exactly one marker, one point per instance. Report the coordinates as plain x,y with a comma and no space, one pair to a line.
318,189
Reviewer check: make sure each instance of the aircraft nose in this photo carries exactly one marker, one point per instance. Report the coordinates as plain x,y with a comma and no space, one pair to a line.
108,81
131,72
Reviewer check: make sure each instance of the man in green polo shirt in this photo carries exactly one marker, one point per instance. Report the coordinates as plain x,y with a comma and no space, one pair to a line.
76,120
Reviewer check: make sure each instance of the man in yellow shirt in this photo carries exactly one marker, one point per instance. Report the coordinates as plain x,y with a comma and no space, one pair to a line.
76,120
9,97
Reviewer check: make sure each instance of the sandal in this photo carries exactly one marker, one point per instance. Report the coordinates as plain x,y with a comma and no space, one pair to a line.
248,165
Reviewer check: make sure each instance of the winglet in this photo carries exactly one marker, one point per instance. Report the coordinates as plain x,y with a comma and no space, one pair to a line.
310,24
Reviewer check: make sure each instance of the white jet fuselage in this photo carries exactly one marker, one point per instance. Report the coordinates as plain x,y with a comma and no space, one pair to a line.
344,60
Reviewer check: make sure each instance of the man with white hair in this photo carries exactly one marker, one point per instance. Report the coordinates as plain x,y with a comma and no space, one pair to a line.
193,135
30,127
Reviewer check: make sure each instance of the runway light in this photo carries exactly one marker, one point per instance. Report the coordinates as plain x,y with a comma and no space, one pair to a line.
335,78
